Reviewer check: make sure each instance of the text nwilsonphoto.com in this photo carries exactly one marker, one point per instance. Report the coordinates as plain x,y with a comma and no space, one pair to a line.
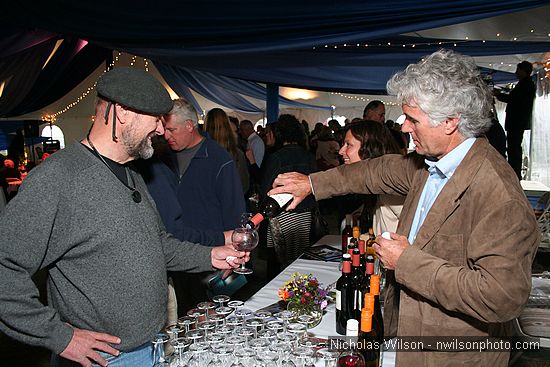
436,343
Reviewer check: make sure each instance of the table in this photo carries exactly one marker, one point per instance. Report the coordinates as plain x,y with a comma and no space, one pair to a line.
534,188
326,273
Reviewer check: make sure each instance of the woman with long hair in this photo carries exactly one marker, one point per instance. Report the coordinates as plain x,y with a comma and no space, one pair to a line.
371,139
217,125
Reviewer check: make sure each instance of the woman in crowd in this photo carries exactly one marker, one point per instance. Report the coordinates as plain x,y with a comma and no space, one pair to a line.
370,139
288,233
217,125
327,149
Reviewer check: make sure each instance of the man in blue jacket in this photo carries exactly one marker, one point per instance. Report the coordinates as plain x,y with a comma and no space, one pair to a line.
197,189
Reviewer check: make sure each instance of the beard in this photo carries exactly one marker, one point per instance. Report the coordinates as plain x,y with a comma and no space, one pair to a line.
137,147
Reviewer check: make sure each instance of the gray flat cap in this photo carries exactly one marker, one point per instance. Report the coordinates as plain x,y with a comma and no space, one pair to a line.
135,89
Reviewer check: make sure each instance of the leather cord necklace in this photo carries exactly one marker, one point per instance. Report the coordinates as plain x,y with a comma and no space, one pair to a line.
136,196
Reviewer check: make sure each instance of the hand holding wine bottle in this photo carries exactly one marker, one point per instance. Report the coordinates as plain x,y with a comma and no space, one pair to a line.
294,183
272,206
389,250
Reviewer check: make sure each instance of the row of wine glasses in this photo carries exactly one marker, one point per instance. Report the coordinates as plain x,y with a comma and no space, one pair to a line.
223,333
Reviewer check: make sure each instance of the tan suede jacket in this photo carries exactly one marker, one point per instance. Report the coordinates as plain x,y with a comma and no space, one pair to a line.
468,273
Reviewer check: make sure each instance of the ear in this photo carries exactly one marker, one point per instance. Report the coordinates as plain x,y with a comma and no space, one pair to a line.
451,125
121,113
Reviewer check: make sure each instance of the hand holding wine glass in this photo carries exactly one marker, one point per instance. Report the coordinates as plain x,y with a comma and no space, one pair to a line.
226,257
244,239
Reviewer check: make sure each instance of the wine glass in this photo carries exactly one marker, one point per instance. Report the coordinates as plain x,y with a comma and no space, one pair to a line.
328,355
244,357
244,239
303,357
224,311
206,306
158,341
255,323
187,322
221,355
221,299
179,345
199,354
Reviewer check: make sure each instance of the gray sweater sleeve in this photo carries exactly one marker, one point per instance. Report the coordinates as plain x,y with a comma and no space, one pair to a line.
26,226
185,256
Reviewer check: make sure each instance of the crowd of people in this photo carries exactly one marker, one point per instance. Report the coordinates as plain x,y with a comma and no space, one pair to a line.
150,192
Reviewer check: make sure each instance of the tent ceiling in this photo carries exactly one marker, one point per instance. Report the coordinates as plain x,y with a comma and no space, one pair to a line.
287,43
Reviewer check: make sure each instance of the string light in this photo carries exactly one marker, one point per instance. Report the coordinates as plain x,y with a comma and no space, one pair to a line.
390,44
528,34
53,117
359,98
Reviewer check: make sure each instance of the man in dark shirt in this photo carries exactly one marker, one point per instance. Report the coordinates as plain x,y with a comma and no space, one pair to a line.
518,113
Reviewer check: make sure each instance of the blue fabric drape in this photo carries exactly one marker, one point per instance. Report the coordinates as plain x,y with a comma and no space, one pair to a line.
31,85
175,76
223,49
17,40
204,81
350,69
216,27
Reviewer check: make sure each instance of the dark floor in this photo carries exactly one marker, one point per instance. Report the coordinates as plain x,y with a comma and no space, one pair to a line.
15,354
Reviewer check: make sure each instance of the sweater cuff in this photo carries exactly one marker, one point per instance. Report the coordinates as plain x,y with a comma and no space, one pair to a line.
59,338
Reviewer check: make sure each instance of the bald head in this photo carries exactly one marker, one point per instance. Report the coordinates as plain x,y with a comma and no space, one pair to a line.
375,111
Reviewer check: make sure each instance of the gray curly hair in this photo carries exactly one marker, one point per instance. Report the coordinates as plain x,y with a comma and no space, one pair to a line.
446,84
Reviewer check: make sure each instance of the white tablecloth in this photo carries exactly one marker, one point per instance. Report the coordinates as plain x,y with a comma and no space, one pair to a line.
326,273
534,188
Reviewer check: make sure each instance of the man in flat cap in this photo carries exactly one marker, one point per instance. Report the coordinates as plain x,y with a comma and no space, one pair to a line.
97,231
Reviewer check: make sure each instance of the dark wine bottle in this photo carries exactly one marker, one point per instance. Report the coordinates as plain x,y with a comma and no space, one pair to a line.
367,341
365,284
363,254
346,234
271,207
357,282
378,321
369,270
344,296
352,244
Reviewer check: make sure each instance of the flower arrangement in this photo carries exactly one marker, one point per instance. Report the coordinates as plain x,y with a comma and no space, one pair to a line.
304,291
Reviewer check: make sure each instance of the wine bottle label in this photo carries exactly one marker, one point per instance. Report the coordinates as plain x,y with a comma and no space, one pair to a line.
282,199
338,300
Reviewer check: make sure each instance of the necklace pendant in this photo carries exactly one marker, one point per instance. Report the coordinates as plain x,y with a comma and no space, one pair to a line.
136,196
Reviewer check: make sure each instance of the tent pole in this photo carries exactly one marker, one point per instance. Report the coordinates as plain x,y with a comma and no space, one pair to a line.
272,102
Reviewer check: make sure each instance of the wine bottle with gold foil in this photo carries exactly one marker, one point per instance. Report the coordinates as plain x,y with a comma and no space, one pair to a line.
370,242
367,342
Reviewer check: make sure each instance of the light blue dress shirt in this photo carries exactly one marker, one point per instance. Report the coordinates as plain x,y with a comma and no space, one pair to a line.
440,172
